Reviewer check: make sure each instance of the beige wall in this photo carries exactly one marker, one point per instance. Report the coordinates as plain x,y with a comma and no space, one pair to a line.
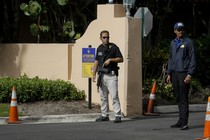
64,61
43,60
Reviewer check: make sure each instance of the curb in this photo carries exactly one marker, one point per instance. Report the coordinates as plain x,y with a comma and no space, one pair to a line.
174,108
57,118
92,116
54,118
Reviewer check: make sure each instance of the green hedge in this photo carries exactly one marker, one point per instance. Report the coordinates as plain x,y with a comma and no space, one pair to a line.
36,89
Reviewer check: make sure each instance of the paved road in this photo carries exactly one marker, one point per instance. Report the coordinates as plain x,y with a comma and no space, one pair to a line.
142,128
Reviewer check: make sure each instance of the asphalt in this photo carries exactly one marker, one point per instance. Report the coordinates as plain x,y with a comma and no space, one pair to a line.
90,117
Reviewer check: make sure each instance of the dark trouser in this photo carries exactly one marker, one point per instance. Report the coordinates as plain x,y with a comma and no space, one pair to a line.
181,90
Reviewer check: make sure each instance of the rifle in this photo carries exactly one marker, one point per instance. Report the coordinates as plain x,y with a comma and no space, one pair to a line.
99,79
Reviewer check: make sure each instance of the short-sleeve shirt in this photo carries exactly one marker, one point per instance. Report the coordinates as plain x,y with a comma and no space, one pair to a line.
103,53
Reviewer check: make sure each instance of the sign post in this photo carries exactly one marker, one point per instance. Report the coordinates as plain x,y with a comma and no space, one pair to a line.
147,18
88,58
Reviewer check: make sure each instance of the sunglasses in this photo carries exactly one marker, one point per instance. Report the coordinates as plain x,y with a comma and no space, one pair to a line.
180,29
104,37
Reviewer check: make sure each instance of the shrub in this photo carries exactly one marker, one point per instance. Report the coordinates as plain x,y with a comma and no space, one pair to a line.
202,47
35,89
164,92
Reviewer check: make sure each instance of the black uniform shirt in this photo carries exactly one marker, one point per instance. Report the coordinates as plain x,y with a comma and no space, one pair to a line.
103,53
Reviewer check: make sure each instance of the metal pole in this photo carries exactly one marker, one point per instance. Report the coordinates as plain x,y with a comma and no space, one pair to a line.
142,41
89,93
89,89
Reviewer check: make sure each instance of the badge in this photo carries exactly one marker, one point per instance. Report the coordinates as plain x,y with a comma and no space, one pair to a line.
182,46
100,53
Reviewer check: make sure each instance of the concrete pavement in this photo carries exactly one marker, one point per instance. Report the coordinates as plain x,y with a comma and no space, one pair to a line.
91,116
139,128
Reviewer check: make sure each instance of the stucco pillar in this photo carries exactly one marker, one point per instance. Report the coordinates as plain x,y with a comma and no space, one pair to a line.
126,33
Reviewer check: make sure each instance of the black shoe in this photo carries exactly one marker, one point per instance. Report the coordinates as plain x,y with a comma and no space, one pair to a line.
185,127
117,119
102,119
176,125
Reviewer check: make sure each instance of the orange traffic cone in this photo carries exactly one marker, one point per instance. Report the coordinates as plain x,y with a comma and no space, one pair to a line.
13,113
151,101
206,133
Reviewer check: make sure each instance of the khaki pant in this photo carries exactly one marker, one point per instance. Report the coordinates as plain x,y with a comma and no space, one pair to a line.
109,85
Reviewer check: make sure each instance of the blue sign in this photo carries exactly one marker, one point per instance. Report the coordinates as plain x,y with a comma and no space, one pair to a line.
88,59
88,55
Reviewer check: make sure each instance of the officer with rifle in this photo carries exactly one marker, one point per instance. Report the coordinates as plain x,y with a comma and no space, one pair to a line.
108,56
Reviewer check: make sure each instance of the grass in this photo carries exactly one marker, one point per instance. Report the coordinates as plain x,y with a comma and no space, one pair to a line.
4,110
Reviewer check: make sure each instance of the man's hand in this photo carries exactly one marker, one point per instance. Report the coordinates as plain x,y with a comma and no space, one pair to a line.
107,62
168,79
95,70
115,60
187,79
94,78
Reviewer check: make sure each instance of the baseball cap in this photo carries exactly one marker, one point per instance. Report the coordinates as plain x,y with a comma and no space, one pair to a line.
178,25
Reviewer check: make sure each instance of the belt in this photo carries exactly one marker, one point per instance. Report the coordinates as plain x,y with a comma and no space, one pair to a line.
112,73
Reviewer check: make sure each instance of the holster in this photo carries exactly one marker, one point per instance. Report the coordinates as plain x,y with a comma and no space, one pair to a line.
116,71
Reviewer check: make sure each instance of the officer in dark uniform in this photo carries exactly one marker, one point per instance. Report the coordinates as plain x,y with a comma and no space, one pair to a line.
181,66
108,56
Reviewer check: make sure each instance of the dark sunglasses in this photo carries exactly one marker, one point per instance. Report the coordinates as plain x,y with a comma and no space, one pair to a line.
180,29
104,37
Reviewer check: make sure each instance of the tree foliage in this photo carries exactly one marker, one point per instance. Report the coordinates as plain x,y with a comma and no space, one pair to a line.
51,17
50,20
203,60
